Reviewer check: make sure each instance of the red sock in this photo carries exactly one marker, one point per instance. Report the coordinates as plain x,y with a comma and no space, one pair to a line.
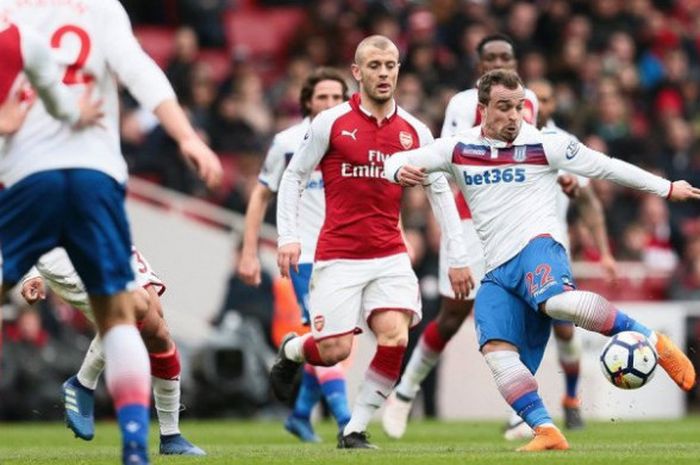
312,355
432,338
387,361
166,365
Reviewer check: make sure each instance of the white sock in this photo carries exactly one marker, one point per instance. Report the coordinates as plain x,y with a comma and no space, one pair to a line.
373,392
93,365
127,368
569,352
166,397
419,366
294,349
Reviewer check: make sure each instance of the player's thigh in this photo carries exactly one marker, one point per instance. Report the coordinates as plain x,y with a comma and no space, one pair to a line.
543,271
300,282
32,216
335,298
477,262
394,287
97,236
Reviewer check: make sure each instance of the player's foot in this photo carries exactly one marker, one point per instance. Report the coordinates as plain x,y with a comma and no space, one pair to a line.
517,430
283,372
134,454
546,438
395,417
354,440
301,428
79,403
675,362
176,444
572,413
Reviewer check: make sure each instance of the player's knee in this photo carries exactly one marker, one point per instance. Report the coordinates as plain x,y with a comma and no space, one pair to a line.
564,332
334,350
496,345
157,339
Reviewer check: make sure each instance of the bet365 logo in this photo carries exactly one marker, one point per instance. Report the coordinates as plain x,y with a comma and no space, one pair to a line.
495,176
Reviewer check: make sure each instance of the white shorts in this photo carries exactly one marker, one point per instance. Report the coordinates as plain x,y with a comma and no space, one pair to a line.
343,293
144,274
477,262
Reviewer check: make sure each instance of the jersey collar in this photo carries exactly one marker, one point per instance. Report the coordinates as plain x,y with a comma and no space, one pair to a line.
355,102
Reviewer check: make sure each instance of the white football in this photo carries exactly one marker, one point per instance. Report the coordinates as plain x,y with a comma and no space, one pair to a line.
628,360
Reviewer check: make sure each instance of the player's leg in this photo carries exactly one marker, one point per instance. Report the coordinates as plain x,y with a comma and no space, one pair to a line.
299,421
97,239
512,338
79,392
569,351
334,390
165,377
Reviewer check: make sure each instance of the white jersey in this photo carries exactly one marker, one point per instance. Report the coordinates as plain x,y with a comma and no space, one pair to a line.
94,44
59,274
312,207
511,188
462,112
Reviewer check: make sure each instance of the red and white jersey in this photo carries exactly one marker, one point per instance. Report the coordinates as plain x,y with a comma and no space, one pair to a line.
511,188
59,274
462,113
362,208
23,53
94,44
312,207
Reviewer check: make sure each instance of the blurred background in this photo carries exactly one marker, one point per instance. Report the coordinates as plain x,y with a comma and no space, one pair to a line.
627,80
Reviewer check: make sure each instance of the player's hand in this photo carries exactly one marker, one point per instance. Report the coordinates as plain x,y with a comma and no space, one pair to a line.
288,257
249,269
462,281
569,185
33,290
682,190
409,176
609,265
91,112
204,160
13,112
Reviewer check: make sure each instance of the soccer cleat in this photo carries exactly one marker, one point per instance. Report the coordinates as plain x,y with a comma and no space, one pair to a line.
395,417
546,438
79,403
134,454
283,372
301,428
354,440
517,430
176,444
675,362
572,413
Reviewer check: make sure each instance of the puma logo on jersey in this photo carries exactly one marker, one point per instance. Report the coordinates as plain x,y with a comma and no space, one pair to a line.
349,133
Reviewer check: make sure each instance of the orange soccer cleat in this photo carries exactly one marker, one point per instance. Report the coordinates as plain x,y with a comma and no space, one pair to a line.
675,362
546,438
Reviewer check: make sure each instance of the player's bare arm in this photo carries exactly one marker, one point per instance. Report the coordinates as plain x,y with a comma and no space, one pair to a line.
288,257
33,290
462,281
13,111
594,219
249,263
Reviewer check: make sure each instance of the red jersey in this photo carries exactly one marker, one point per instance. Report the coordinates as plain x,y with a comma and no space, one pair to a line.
11,58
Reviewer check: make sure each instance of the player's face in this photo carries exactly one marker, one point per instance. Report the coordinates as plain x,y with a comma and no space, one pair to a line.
497,55
548,104
503,114
377,73
327,94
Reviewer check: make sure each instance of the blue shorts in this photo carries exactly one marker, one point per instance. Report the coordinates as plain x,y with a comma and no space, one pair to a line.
300,281
81,210
506,306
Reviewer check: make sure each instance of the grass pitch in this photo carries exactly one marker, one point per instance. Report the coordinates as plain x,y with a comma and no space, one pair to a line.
426,443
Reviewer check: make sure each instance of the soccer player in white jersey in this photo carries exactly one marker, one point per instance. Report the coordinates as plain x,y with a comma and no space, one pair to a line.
24,54
56,270
67,188
322,89
507,170
361,269
495,51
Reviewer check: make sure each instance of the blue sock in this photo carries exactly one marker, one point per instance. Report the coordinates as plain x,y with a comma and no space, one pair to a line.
133,423
571,383
309,395
625,323
531,409
337,400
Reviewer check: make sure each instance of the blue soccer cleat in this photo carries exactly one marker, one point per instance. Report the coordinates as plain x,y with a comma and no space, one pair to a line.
301,428
176,444
134,454
79,403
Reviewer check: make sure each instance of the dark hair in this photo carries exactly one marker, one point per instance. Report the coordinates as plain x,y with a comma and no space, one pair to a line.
497,77
318,75
498,37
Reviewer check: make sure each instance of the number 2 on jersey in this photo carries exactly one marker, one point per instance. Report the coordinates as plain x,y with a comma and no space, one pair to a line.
74,72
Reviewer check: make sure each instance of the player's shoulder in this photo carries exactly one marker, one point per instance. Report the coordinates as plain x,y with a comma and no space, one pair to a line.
528,135
411,120
468,136
530,95
464,97
293,134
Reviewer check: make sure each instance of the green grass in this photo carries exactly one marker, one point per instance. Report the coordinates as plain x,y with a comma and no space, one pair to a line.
426,443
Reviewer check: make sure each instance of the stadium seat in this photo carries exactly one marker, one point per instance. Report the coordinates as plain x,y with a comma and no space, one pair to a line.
157,41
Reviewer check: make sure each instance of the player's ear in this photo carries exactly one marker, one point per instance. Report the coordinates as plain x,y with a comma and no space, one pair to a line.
482,110
355,69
